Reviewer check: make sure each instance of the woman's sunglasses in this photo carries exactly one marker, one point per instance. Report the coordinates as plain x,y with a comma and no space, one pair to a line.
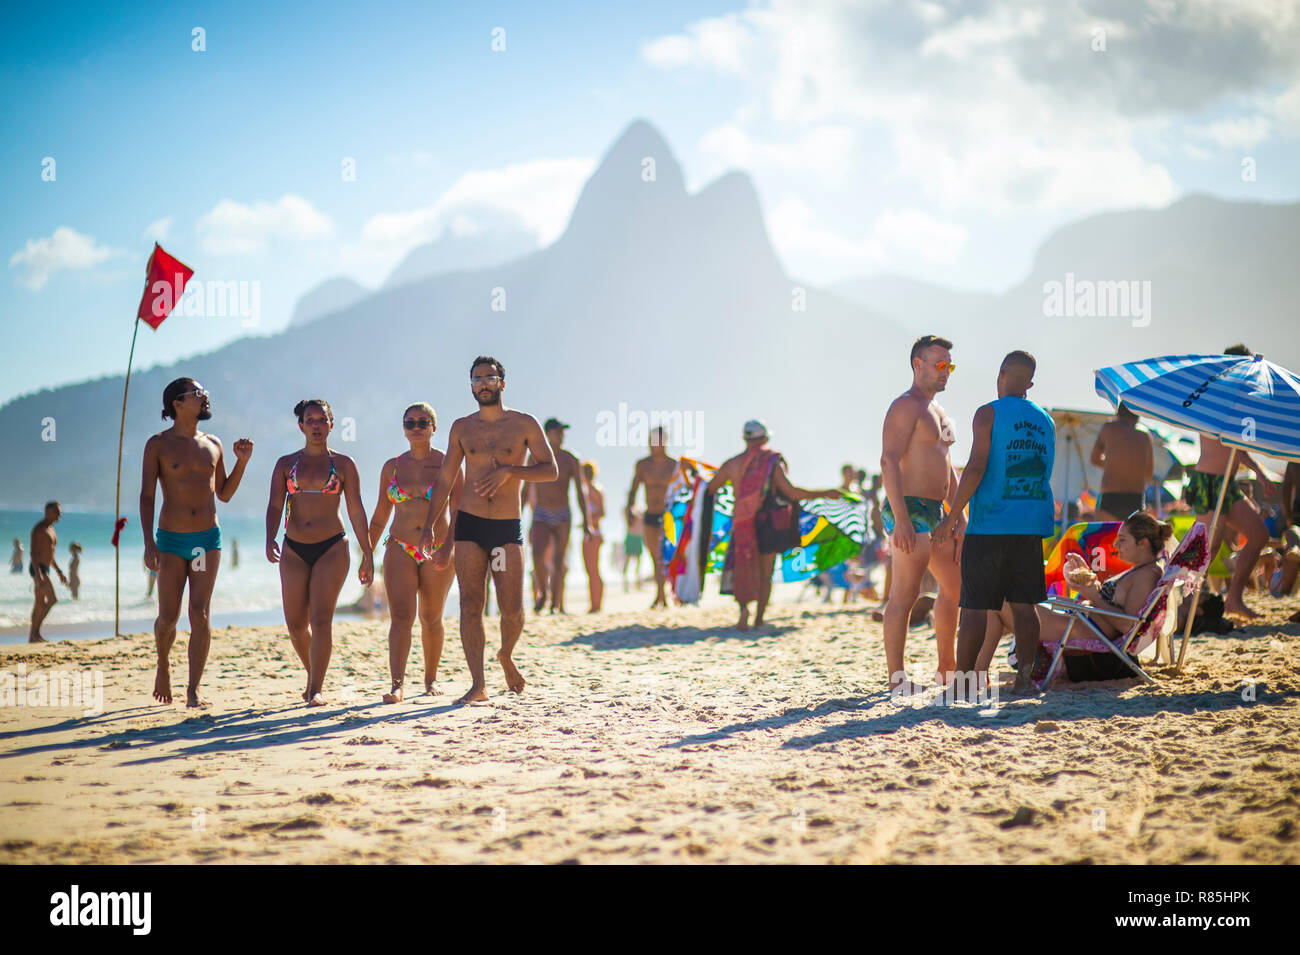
413,423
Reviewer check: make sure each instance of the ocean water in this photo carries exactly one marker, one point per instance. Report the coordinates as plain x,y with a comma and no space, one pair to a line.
246,595
253,586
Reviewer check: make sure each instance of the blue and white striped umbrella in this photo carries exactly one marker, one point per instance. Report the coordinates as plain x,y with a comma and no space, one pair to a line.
1245,402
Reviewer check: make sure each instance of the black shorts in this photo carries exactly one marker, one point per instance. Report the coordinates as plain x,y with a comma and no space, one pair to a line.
998,567
1120,503
653,520
488,532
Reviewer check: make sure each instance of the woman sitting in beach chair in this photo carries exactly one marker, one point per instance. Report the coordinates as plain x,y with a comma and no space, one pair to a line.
1140,542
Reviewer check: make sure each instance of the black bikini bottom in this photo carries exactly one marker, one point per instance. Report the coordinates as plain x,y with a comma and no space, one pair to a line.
310,553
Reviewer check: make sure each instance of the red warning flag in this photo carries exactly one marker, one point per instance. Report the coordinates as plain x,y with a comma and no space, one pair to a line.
164,284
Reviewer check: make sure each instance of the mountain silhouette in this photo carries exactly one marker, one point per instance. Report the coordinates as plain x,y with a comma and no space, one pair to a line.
652,300
329,296
658,300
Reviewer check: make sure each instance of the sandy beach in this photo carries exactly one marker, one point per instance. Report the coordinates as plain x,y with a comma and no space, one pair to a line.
655,737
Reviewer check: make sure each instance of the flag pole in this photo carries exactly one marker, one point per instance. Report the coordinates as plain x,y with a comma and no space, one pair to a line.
117,505
1210,543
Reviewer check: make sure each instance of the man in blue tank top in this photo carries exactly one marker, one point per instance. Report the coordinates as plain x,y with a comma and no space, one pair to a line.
1007,482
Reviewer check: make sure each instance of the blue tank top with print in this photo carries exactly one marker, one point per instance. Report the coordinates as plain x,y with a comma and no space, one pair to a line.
1015,494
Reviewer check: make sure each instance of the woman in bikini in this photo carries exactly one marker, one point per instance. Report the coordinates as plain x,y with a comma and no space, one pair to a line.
315,559
1140,542
591,545
411,579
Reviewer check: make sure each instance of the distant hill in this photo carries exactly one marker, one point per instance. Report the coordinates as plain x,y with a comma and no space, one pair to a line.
1219,272
653,299
453,252
330,296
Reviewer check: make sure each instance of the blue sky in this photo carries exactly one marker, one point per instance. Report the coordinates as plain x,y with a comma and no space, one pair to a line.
943,141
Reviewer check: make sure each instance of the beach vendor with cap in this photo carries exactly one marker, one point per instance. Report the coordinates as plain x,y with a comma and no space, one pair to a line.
758,476
553,520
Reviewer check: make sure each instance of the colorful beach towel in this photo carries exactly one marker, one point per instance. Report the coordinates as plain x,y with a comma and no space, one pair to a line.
1095,543
830,532
740,573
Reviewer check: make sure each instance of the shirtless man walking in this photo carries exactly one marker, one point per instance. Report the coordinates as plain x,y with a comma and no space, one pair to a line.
44,545
191,467
654,472
919,479
1124,454
493,442
552,520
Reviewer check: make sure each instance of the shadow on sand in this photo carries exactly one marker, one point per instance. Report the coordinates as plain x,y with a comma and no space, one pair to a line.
635,638
881,715
245,729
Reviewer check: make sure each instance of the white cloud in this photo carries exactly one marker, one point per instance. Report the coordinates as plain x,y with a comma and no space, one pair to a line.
799,239
919,234
897,239
997,106
823,150
721,42
1236,132
537,196
65,248
236,228
973,34
159,230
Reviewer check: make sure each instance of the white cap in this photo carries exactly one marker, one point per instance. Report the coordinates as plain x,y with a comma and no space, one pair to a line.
755,429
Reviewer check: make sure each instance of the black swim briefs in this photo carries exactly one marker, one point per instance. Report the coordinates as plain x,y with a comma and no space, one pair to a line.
1120,503
488,532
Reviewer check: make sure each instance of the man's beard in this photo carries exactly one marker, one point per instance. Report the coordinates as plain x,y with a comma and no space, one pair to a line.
206,413
493,398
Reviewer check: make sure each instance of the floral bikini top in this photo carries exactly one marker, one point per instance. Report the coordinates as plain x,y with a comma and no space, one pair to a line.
398,496
332,485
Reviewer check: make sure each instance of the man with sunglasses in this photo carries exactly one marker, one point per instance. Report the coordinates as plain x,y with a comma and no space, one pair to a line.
919,479
191,467
493,443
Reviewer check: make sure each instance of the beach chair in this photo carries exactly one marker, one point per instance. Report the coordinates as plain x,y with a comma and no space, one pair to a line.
1157,620
1182,523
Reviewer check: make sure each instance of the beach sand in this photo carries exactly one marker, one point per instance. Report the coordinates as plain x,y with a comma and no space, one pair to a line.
655,737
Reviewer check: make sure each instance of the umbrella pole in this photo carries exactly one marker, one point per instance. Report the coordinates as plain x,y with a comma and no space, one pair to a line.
1214,522
1065,503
